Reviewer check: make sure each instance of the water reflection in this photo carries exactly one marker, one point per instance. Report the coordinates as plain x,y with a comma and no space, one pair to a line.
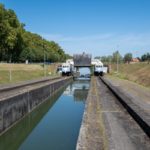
53,125
79,90
12,139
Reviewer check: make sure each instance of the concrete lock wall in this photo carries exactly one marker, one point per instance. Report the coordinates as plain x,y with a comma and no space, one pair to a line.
16,107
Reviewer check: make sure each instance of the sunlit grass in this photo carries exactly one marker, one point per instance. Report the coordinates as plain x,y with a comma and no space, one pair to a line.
138,72
12,73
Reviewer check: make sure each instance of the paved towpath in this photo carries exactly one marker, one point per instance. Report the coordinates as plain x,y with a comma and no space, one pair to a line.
107,125
140,95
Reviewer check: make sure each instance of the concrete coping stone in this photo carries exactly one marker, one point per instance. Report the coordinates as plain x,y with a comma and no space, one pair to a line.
139,114
25,83
28,89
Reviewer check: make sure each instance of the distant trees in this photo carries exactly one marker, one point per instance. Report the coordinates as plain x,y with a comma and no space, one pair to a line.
127,57
17,45
116,57
103,58
146,57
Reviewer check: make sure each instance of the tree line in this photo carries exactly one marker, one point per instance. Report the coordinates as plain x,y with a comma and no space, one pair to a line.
127,58
18,45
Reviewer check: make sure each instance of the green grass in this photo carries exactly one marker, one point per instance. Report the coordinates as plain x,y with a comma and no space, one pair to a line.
138,72
20,75
21,72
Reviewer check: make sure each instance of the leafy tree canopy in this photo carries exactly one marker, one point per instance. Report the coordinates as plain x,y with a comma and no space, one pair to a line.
17,44
128,57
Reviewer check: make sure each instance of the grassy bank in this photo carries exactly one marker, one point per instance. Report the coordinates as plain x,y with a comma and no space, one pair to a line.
138,72
22,72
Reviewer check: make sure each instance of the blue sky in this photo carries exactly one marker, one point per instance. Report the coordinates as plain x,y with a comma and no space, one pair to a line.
95,26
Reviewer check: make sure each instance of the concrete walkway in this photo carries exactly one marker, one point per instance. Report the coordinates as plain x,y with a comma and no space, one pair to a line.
135,96
92,131
139,94
107,125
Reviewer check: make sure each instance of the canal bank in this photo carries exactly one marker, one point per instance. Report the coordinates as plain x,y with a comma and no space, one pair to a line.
53,125
92,132
15,105
107,125
13,137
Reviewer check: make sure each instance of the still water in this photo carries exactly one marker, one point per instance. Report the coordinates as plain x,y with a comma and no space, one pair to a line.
54,125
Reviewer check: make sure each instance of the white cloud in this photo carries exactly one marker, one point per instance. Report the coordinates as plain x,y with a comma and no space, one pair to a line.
103,44
61,38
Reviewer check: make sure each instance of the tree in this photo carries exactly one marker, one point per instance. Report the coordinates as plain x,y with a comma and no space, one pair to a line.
146,57
17,44
10,34
128,57
116,57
